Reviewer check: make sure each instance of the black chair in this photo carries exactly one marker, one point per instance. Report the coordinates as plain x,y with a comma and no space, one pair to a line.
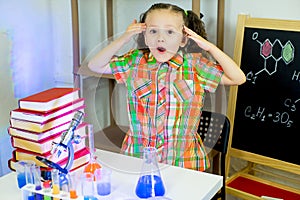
214,129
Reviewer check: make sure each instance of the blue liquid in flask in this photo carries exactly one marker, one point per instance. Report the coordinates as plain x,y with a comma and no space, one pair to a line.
148,184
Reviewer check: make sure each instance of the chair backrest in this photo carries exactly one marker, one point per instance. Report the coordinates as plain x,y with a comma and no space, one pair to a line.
214,130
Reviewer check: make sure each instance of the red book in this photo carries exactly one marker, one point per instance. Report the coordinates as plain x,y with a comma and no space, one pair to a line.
20,154
37,136
81,158
49,99
45,145
44,126
40,117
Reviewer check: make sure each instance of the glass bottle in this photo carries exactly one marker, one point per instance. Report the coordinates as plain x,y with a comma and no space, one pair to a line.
150,183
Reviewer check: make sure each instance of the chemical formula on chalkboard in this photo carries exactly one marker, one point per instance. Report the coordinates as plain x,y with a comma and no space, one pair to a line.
266,110
261,113
272,53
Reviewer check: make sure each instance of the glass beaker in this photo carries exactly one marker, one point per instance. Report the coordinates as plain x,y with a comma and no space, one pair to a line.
150,183
103,181
87,186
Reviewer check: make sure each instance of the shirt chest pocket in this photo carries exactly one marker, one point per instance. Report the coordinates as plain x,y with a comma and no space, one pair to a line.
142,88
148,100
183,90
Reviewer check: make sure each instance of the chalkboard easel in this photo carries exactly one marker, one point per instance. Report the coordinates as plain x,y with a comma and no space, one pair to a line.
265,111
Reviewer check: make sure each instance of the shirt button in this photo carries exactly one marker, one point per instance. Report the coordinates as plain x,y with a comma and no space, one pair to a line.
164,65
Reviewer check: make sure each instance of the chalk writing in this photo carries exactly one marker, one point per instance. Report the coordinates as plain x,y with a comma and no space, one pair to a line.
296,76
272,53
267,107
262,114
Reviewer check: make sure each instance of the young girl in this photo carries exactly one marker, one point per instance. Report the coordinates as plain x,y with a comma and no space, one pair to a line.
167,79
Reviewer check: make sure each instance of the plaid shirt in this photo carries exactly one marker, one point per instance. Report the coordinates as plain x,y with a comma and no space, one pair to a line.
165,102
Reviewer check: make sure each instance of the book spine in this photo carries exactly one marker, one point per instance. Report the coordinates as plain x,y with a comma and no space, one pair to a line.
20,154
49,99
81,158
40,127
41,117
45,145
37,136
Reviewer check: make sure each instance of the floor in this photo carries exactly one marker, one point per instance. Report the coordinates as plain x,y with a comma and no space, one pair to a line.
110,138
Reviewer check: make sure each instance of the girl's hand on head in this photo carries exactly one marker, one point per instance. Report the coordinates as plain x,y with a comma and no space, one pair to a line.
202,43
134,28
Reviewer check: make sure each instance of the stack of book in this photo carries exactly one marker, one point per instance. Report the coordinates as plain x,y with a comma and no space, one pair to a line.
40,120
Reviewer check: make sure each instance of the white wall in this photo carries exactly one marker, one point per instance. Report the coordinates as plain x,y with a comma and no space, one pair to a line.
275,9
62,45
92,25
8,100
35,54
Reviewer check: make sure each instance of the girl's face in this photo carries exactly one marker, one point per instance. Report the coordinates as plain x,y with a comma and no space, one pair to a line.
164,33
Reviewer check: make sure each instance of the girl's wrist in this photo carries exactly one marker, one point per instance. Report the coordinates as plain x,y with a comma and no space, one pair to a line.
207,46
124,38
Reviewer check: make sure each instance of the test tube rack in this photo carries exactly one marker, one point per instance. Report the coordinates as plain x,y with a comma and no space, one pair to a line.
29,193
29,190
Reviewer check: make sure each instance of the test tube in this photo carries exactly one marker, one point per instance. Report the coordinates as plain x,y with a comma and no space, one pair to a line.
21,173
55,182
24,175
30,196
47,189
36,172
27,194
29,174
73,185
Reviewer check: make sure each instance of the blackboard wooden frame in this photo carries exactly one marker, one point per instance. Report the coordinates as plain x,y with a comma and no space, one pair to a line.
245,21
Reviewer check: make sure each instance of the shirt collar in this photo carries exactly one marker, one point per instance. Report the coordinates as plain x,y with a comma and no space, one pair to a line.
175,62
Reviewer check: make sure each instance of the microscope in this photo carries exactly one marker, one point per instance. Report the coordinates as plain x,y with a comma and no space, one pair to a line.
66,144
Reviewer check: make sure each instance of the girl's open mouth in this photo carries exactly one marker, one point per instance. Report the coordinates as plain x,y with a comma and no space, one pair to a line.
161,49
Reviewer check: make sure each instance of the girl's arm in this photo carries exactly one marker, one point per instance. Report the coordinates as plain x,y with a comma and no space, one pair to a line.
233,75
100,62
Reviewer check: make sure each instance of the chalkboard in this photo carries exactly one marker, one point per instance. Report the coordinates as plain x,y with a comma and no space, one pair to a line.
267,106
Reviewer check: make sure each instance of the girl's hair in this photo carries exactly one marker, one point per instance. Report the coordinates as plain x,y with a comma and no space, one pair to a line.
191,20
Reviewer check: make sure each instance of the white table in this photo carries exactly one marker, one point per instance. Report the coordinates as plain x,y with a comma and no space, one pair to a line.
180,183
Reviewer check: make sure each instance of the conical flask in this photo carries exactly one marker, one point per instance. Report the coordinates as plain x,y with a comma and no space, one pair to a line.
150,183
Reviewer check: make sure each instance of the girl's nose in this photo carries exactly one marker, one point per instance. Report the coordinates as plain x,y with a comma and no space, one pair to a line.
160,37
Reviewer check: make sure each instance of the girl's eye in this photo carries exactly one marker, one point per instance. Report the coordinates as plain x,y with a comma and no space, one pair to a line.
152,31
170,31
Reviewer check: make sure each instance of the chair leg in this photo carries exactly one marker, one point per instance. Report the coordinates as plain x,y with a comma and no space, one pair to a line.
216,165
223,189
217,197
